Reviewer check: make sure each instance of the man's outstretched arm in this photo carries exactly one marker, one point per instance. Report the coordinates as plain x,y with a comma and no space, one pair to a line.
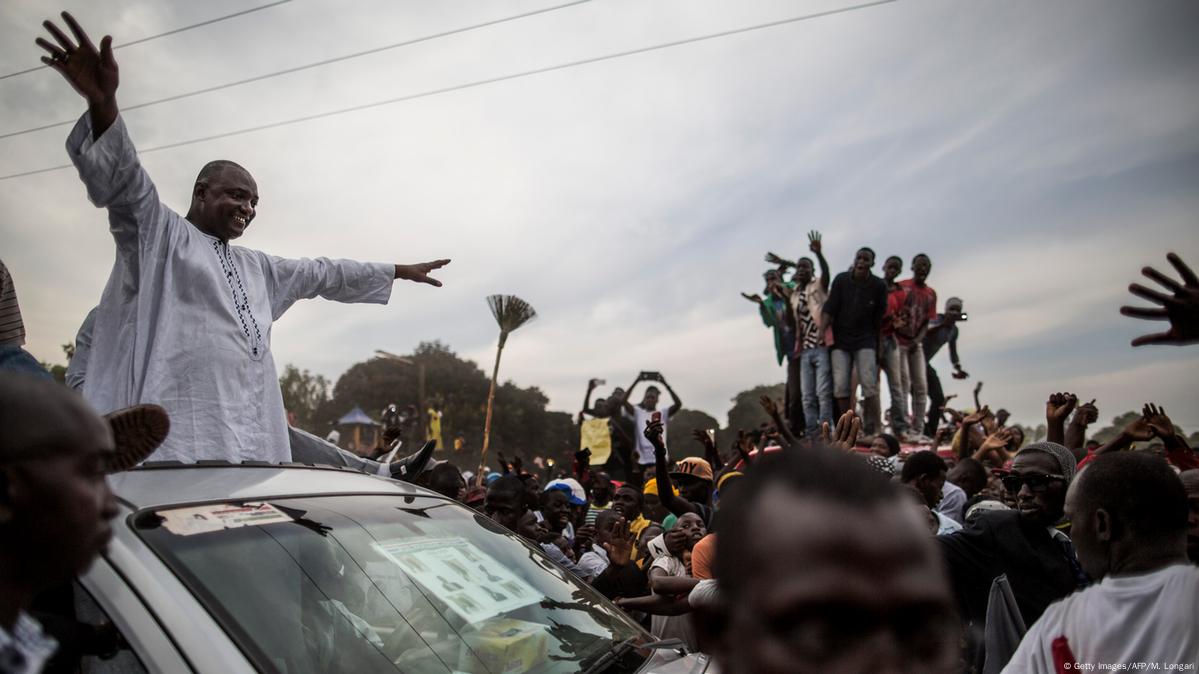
419,273
289,280
91,72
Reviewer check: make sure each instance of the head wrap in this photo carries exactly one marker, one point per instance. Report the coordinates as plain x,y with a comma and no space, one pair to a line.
880,464
1065,458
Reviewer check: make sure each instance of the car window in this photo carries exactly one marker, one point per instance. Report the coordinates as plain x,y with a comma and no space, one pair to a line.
382,583
123,660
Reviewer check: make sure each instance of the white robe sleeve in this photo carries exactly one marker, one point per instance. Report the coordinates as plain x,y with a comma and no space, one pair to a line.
114,178
348,281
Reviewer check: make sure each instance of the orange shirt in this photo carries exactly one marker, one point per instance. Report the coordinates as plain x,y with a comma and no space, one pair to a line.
703,558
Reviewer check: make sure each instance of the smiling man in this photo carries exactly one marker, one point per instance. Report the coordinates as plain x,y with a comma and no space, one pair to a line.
185,319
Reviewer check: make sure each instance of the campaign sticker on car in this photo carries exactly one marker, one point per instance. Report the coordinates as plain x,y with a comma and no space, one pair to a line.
219,516
471,582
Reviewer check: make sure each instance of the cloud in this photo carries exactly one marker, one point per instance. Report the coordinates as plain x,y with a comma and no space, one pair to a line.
631,201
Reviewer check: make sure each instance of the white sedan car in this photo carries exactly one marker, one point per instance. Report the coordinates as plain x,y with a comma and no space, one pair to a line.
227,568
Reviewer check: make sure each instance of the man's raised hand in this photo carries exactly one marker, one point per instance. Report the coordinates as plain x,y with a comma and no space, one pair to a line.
1059,406
419,273
755,298
653,433
845,436
620,545
977,416
1181,309
1157,420
814,244
1086,414
92,72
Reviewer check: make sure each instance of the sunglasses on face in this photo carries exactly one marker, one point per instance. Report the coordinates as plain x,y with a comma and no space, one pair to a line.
1037,483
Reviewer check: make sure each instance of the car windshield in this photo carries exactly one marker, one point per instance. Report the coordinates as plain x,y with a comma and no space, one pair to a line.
383,583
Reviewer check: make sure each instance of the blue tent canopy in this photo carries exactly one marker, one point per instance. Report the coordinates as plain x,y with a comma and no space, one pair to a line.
356,416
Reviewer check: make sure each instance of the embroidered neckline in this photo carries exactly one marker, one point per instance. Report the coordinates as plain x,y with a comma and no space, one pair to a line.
249,324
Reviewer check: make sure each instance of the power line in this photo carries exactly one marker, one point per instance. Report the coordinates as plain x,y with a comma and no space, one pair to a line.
478,83
169,32
308,66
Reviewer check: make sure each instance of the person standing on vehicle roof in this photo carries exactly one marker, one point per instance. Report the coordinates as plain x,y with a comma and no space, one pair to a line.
185,319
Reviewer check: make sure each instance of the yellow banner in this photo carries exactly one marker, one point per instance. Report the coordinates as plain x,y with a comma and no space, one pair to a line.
594,434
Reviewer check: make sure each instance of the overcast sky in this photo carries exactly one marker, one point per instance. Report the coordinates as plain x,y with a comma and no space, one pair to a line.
1040,153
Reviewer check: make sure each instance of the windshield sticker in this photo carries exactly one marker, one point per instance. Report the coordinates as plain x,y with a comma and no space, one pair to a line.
219,516
471,582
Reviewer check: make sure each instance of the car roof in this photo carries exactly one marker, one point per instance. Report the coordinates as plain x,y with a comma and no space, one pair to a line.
164,483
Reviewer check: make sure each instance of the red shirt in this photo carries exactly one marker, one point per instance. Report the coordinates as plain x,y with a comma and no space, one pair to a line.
895,300
920,305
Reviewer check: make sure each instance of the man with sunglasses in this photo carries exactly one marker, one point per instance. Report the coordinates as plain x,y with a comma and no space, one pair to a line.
1129,515
1025,543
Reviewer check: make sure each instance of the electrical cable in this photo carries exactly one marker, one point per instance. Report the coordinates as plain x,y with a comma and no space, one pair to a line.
308,66
169,32
478,83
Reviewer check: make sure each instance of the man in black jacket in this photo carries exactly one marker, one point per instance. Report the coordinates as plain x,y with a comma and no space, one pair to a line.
854,308
1025,544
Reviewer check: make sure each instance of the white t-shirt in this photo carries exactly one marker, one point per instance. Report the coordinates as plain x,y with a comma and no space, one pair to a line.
673,626
641,416
1123,620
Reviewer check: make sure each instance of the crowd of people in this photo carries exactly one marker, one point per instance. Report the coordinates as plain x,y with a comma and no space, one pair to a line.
816,545
839,334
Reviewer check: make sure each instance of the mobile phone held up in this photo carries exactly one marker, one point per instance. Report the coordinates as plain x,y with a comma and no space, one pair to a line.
656,417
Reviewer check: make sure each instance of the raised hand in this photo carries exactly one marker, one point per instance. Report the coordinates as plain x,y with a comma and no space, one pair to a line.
1059,406
814,242
1181,309
755,298
769,406
1139,430
845,436
91,72
744,445
620,545
704,439
1157,420
996,441
959,373
1086,414
977,416
419,273
653,433
775,259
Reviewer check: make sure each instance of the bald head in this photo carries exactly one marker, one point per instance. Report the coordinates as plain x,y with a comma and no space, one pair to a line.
40,417
224,200
213,170
55,503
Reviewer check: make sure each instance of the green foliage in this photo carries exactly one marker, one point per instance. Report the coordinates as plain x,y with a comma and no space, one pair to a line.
521,426
747,413
303,396
681,426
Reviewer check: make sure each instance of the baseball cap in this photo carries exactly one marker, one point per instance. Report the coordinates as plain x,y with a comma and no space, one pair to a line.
574,491
693,466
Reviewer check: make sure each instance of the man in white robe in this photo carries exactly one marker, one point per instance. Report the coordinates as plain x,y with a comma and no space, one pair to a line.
185,319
